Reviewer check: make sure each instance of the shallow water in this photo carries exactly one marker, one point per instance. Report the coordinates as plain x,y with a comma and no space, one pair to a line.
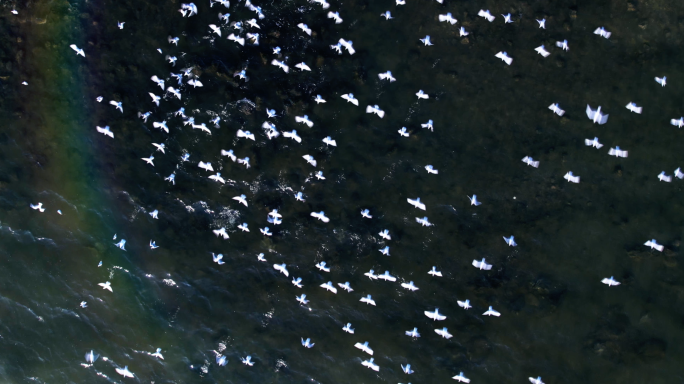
558,321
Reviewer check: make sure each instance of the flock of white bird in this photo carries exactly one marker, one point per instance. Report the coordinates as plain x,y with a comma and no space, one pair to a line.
271,132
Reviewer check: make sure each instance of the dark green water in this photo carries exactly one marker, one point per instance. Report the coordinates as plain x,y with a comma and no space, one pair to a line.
557,320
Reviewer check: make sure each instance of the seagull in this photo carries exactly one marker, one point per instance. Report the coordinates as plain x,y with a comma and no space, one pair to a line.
542,51
435,315
375,109
661,80
413,333
155,99
554,107
218,259
99,99
366,214
346,287
435,272
473,200
304,28
409,286
462,32
347,328
530,161
426,40
319,99
507,18
431,170
416,203
634,108
401,2
303,66
424,221
385,234
596,116
247,361
206,166
221,232
309,159
610,282
153,245
593,143
482,265
281,268
174,91
229,153
293,135
120,24
160,147
510,241
265,231
387,15
491,312
261,257
78,50
253,23
84,305
91,357
242,199
677,123
464,304
297,282
105,131
385,251
368,300
428,125
335,16
281,64
107,286
406,368
371,275
461,378
320,216
244,227
448,18
504,56
486,15
571,178
348,46
307,343
617,152
387,76
364,347
329,141
242,74
402,132
221,360
654,245
422,95
602,32
678,173
117,104
538,380
387,277
369,363
149,160
304,120
173,40
444,333
245,134
299,197
542,23
124,372
329,286
237,39
121,244
322,266
350,98
171,178
302,299
161,125
563,44
172,59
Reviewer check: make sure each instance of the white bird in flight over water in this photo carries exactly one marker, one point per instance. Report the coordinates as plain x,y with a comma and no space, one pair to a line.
571,178
538,380
435,315
491,312
504,56
610,282
413,333
435,272
654,245
461,378
482,265
596,116
124,372
364,347
369,363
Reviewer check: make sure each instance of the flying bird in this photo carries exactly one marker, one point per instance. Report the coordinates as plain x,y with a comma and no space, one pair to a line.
610,282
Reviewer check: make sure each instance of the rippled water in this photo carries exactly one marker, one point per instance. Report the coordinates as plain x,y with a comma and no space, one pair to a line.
558,321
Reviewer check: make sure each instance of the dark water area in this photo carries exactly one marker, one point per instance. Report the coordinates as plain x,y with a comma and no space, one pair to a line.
558,320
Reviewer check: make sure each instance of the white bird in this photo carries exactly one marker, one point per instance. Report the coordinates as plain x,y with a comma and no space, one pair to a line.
538,380
409,286
385,251
221,232
530,161
293,135
348,46
218,259
406,368
78,50
542,23
431,169
124,372
335,16
422,95
387,76
371,275
322,266
593,143
661,80
542,51
435,272
602,32
364,347
435,315
265,231
329,141
281,64
253,23
507,18
171,178
464,304
155,214
215,29
221,360
237,39
282,268
491,312
504,56
107,286
205,166
149,160
448,18
229,153
444,333
173,40
596,116
304,120
385,234
387,15
347,328
654,245
571,178
634,108
245,134
244,227
270,113
302,299
320,216
84,305
121,244
617,152
160,147
401,2
678,173
172,59
345,286
510,241
424,221
307,343
120,24
555,109
350,98
318,99
155,98
416,203
91,357
242,199
299,197
677,122
105,131
563,44
461,378
201,127
247,361
329,286
473,200
368,300
309,159
304,28
366,214
462,32
375,109
387,277
428,125
174,91
117,104
426,40
486,15
610,281
302,66
482,265
369,363
403,132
